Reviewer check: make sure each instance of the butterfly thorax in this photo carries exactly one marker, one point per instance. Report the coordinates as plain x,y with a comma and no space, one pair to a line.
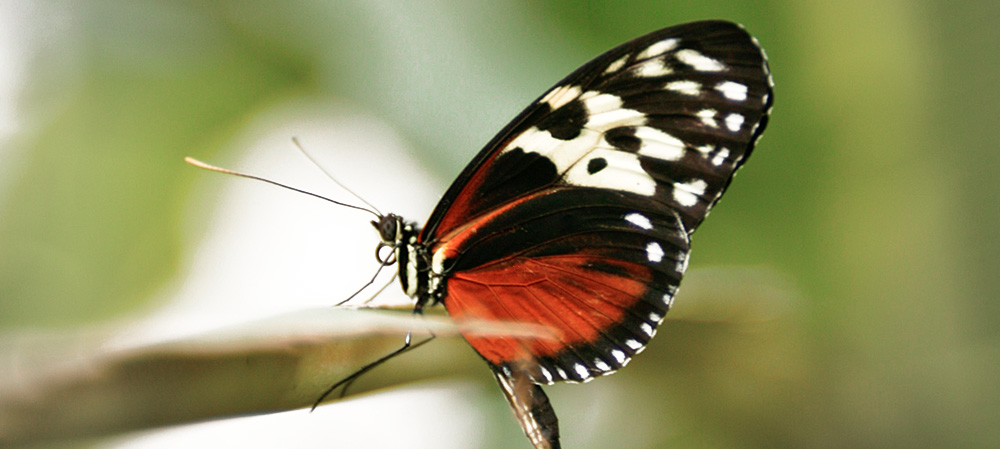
415,274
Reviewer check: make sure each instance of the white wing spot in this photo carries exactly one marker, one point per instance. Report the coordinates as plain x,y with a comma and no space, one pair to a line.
562,153
604,111
597,102
734,122
707,117
601,365
615,119
653,68
732,90
633,343
559,96
562,373
654,252
720,157
705,149
687,194
624,172
655,317
639,220
699,61
658,144
658,48
619,356
581,370
546,373
617,65
685,87
668,300
682,265
647,329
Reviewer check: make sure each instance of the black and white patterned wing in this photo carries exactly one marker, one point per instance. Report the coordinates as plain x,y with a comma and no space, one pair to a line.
670,116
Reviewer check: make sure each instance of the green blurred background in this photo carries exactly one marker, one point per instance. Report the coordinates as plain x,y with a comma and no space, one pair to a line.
871,201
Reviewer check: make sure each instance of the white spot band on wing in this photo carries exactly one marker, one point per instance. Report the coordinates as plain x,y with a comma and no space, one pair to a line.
653,68
623,172
561,95
707,117
734,122
658,144
617,65
654,252
688,194
685,87
720,157
699,61
732,90
639,220
658,48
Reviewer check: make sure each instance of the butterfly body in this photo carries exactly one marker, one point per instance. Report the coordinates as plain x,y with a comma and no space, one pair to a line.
578,215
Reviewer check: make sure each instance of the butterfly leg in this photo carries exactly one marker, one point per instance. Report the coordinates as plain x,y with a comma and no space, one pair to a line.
347,381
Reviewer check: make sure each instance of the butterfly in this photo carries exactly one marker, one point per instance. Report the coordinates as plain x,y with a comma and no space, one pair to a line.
578,215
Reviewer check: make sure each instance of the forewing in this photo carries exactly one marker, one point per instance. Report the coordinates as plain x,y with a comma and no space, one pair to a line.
669,116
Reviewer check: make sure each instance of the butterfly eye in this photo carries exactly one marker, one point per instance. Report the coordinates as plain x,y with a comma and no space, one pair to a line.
386,227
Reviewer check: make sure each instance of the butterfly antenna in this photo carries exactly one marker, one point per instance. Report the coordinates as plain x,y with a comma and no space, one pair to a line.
298,145
227,171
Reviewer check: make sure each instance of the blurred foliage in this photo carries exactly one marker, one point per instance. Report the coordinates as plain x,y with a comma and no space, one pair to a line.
873,189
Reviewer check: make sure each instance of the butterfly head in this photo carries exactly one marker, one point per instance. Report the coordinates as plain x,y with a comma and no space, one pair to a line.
389,228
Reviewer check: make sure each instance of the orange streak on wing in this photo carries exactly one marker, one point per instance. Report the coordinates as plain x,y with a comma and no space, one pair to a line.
559,292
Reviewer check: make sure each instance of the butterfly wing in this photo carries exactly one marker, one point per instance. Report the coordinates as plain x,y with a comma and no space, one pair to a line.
598,267
577,215
670,115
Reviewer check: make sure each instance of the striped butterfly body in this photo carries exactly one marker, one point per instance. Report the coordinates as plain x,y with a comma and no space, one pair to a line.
578,215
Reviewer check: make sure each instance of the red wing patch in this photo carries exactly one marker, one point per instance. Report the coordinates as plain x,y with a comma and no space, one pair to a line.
563,293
